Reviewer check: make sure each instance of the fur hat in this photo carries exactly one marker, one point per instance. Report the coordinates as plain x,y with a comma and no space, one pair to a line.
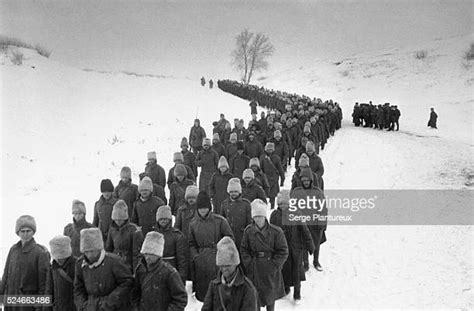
248,173
303,161
60,247
310,147
277,134
306,172
178,156
233,137
145,184
126,172
191,191
259,208
106,186
254,161
180,170
206,141
151,155
154,244
223,163
240,145
120,210
270,146
78,207
227,253
91,240
234,185
215,136
184,142
203,200
283,198
163,211
25,221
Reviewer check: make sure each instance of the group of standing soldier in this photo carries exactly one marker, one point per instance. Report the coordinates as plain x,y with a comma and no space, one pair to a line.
376,116
132,255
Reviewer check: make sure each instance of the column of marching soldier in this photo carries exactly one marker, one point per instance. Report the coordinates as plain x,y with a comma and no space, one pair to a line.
132,257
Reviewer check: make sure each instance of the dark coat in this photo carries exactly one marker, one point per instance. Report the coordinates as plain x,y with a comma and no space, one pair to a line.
253,149
230,150
238,164
240,296
281,150
313,191
105,287
25,270
238,214
263,254
60,284
253,107
156,173
159,288
73,231
204,234
299,240
262,180
316,164
196,135
102,215
252,191
190,160
218,189
433,119
144,213
272,167
263,124
125,242
207,160
158,191
185,215
127,192
172,179
175,249
219,148
177,192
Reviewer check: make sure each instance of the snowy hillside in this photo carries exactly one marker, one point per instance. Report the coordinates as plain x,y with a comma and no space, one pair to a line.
64,129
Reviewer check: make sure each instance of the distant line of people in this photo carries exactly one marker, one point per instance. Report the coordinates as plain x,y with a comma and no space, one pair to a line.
376,116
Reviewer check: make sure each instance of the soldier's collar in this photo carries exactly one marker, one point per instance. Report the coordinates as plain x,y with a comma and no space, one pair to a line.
95,264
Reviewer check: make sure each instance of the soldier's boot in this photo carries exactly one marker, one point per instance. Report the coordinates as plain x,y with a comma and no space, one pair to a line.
272,203
297,292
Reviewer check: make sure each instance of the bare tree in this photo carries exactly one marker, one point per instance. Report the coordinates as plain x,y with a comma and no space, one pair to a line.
241,54
260,50
251,53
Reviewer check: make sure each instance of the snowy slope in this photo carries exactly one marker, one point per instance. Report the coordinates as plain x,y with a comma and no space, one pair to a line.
63,130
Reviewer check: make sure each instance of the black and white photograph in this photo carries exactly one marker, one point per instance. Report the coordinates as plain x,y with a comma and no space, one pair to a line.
236,155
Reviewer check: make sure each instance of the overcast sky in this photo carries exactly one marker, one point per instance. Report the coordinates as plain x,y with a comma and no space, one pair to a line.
194,39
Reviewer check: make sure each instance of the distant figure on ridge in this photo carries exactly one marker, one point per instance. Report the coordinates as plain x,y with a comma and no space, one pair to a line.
211,84
433,119
203,81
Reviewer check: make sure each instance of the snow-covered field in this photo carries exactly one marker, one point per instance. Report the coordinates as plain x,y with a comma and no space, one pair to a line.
63,130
